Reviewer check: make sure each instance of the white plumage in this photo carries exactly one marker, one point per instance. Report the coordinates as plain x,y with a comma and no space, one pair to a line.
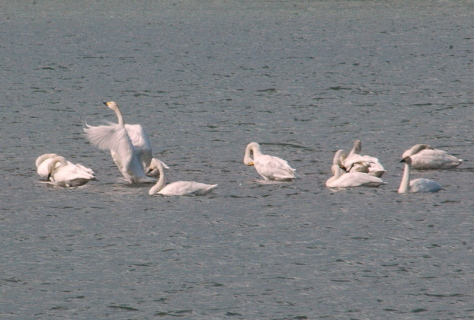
66,174
417,185
424,156
269,167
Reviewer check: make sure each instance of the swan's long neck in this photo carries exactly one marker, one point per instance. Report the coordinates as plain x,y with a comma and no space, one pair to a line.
119,116
255,149
356,148
160,183
405,184
52,166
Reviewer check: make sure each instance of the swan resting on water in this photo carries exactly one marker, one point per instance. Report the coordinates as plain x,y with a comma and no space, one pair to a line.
43,161
129,146
67,174
354,162
269,167
178,188
417,185
424,156
343,179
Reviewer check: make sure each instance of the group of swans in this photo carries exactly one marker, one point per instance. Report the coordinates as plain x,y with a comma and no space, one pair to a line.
131,151
61,172
355,170
130,148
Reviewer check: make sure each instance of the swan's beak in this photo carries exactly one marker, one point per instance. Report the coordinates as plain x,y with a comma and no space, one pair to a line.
106,103
250,164
149,170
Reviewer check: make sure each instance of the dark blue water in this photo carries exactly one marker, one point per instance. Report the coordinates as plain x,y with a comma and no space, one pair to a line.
205,78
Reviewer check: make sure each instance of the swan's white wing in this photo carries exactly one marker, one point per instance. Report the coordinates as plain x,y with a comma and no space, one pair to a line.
181,188
115,138
356,179
70,175
367,164
273,168
434,159
141,143
424,185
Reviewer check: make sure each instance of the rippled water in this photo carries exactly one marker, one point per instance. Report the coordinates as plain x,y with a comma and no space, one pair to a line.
205,78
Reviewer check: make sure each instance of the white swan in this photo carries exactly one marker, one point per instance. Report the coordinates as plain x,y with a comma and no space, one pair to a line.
354,162
128,144
269,167
343,179
43,161
153,168
424,156
417,185
67,174
178,188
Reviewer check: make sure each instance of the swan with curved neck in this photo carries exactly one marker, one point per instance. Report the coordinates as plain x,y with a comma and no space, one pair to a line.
343,179
269,167
129,145
417,185
67,174
178,188
424,156
43,161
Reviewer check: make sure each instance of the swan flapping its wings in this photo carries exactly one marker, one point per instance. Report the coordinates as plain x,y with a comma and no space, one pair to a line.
129,145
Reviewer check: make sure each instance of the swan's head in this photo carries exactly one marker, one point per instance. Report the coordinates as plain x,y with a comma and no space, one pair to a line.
155,166
251,150
111,104
406,160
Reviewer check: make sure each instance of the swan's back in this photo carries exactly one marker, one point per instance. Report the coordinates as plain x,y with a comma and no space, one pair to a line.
434,159
273,168
141,143
181,188
424,185
356,179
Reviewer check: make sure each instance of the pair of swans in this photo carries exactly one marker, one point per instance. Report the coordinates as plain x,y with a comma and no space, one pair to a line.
343,178
269,167
61,172
129,145
354,162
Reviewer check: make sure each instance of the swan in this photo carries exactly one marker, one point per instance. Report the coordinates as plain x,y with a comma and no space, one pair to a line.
343,179
269,167
354,162
43,161
424,156
153,168
67,174
178,188
417,185
128,144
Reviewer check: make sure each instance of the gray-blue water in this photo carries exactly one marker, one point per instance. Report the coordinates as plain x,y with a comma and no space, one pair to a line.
303,78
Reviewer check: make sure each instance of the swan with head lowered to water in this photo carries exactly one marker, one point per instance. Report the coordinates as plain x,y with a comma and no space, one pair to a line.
417,185
424,156
129,145
269,167
178,188
66,174
43,161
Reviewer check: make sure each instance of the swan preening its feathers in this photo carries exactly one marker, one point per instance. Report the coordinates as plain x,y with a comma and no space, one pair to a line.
269,167
354,162
417,185
343,179
178,188
62,172
424,156
129,146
